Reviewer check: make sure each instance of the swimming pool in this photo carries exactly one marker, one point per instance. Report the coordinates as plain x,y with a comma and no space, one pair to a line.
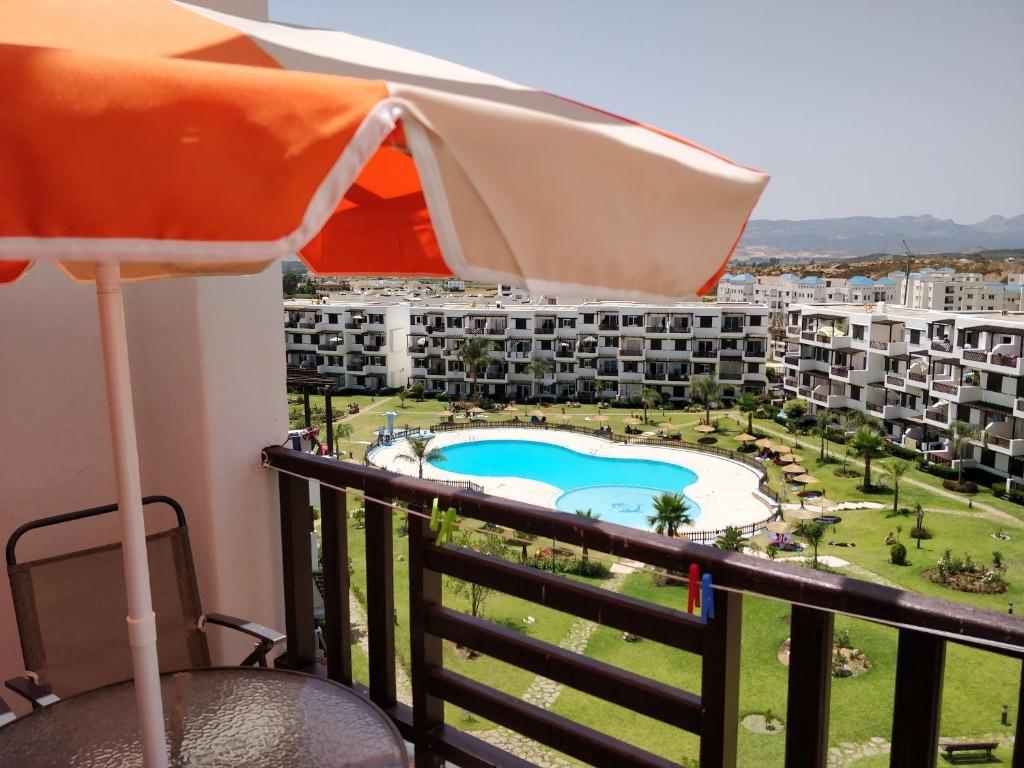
620,490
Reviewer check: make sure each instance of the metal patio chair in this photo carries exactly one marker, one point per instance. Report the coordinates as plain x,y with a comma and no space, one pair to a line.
71,610
6,716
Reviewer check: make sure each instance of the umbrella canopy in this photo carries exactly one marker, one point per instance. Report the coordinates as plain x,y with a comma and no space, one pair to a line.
632,421
475,409
222,143
793,469
511,407
765,442
745,438
667,425
790,457
599,417
170,140
445,414
779,526
704,429
804,479
779,447
564,416
802,514
537,412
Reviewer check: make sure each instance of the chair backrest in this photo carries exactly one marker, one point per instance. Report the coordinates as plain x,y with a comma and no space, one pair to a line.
71,607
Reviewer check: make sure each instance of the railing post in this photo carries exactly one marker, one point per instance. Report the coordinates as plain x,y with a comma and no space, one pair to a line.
424,591
720,682
1018,742
296,525
337,621
380,599
810,685
920,659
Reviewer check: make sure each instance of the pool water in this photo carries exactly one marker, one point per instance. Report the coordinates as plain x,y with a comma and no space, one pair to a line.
619,490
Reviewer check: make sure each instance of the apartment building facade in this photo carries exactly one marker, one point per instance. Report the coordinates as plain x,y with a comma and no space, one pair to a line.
917,371
946,290
591,351
361,344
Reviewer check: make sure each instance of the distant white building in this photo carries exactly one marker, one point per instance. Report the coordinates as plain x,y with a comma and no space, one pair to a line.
456,284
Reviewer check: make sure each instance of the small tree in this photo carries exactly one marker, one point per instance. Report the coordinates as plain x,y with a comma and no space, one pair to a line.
650,398
474,354
670,511
731,540
795,410
402,394
813,534
420,452
898,554
477,594
704,389
896,469
960,432
417,391
919,512
748,403
822,423
342,431
539,367
590,515
868,445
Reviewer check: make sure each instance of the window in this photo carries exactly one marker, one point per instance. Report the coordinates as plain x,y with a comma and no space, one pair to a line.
567,322
754,320
753,368
632,321
332,317
858,332
706,321
915,336
588,318
681,345
854,392
656,344
994,382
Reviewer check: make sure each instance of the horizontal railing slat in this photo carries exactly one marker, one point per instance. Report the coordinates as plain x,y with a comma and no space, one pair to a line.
639,694
533,722
654,622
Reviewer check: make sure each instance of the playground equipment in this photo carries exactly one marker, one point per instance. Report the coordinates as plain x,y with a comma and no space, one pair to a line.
296,436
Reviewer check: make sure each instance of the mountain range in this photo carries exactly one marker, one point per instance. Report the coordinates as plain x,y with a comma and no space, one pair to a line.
862,235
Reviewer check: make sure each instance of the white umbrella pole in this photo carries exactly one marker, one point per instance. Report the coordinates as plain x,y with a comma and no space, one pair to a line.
141,619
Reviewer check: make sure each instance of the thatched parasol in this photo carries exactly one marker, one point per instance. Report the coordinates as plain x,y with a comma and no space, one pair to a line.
445,414
745,438
599,417
822,502
802,514
790,457
765,442
632,421
537,412
704,429
779,526
793,469
476,409
805,479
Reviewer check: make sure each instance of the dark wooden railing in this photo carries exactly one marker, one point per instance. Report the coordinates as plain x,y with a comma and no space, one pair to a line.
925,626
975,356
1008,361
915,376
894,380
840,371
948,389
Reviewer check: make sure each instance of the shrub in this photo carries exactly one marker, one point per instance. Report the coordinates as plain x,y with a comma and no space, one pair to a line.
903,453
1017,497
898,554
998,489
574,566
842,638
442,396
940,471
997,559
920,533
965,487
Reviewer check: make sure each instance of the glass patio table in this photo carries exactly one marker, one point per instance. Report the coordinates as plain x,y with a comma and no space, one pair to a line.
216,718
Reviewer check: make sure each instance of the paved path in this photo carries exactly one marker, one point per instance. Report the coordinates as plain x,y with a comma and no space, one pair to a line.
847,753
403,686
993,513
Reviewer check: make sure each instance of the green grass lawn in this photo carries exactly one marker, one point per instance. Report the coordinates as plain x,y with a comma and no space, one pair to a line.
977,683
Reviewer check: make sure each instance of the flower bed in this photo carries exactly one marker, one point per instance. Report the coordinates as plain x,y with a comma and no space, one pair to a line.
964,575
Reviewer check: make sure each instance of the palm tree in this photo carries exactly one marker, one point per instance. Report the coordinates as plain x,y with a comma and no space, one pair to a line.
822,422
670,511
813,533
474,354
590,515
421,452
896,469
868,445
342,431
539,367
704,389
650,399
731,540
748,403
960,432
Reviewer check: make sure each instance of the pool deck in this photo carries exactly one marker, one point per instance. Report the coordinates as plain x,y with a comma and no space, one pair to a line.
726,490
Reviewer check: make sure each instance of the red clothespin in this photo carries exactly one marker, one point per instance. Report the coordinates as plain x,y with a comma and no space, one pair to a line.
693,588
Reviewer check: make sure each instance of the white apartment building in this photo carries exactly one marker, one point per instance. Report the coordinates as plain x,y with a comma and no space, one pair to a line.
918,371
362,343
947,290
594,351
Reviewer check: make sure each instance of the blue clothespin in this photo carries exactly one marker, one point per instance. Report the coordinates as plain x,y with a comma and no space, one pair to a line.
707,599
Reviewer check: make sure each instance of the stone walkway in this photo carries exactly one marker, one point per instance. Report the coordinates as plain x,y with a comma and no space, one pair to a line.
847,753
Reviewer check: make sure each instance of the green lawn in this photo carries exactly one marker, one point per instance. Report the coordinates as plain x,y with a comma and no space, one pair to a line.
977,683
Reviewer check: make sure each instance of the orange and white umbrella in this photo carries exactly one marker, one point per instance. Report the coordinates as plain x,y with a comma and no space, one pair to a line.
152,139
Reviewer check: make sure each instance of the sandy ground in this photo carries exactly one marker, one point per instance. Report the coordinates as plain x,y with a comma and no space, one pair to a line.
726,490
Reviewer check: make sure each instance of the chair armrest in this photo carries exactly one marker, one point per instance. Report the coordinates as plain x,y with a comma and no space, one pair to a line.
31,691
266,637
6,716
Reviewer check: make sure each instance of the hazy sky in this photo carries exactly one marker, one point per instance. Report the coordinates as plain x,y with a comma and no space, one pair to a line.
856,107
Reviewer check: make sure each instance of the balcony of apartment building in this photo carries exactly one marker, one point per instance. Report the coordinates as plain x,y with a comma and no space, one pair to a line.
667,323
354,321
630,372
434,325
519,330
730,372
354,363
417,344
585,387
436,368
377,366
631,349
587,346
375,321
707,327
519,350
632,325
331,342
566,374
998,429
939,414
565,350
608,322
730,349
608,346
731,325
519,375
828,331
607,367
952,382
828,394
656,372
850,366
493,374
658,350
373,343
755,351
544,325
704,351
992,348
544,349
452,347
488,325
455,328
887,337
566,328
584,371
